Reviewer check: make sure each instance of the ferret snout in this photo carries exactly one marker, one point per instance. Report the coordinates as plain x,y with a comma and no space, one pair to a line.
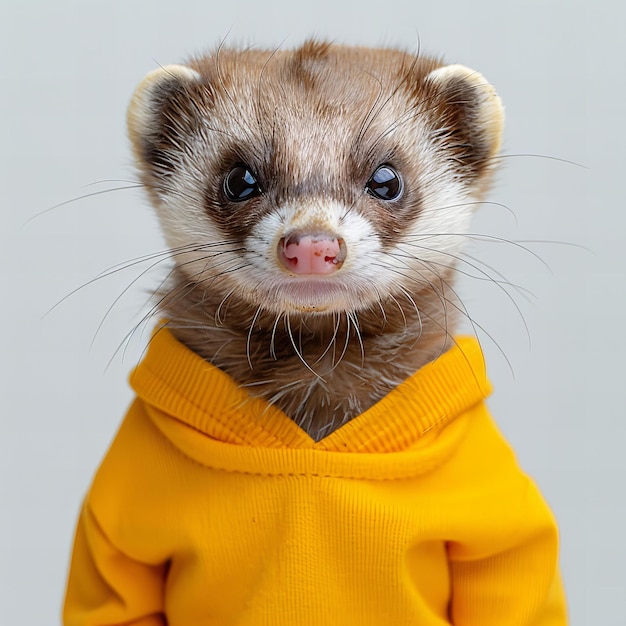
311,254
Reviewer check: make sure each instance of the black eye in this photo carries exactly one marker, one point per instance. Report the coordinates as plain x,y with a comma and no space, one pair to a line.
240,184
385,183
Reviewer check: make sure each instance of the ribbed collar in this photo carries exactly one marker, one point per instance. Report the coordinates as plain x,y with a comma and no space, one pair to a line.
177,382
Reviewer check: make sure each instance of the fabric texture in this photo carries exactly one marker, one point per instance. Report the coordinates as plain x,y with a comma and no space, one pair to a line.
213,508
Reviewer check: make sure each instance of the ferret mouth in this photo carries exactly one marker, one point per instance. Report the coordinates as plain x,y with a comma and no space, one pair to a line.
311,294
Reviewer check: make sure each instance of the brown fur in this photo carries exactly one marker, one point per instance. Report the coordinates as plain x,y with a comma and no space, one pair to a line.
312,124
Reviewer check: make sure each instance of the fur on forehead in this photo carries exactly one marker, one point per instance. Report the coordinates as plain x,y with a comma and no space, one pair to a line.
368,101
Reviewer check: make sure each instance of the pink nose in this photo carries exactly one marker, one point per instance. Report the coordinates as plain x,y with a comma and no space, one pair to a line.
308,254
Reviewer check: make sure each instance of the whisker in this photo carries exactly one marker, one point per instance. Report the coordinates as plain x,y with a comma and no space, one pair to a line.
78,198
463,311
249,337
351,317
259,119
113,180
500,157
273,338
295,347
331,343
346,342
460,205
484,275
491,238
185,289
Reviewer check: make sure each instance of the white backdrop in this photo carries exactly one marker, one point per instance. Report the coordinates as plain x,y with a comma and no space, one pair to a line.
67,71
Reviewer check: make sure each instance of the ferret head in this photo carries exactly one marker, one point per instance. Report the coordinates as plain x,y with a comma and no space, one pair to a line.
320,180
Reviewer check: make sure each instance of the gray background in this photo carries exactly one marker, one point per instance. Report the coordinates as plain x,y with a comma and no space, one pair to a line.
67,71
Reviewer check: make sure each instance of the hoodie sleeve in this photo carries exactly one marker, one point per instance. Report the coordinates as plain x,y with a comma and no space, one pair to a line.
504,566
520,584
106,587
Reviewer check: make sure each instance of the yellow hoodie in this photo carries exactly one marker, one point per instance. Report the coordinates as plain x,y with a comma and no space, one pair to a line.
212,508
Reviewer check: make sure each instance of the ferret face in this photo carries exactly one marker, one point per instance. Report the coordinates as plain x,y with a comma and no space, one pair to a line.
324,179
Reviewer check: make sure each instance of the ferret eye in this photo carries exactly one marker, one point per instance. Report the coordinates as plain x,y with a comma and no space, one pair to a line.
240,184
385,183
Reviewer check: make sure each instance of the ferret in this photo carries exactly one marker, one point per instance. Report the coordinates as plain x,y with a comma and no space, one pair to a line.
309,443
315,202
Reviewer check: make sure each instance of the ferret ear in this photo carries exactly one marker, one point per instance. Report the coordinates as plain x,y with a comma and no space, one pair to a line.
157,110
469,115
